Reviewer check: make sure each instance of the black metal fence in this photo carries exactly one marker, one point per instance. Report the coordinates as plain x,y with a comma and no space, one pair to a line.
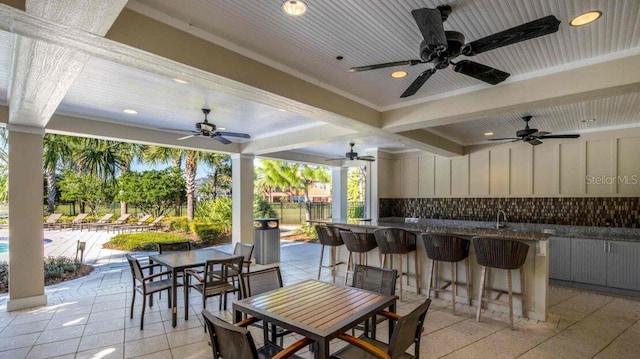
295,213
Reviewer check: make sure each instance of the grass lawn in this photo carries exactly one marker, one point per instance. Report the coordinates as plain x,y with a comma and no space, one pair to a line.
146,241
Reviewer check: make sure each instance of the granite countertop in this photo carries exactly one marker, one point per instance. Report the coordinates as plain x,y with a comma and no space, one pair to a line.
521,231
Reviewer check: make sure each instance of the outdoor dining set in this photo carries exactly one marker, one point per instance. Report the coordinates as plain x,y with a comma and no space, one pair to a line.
318,311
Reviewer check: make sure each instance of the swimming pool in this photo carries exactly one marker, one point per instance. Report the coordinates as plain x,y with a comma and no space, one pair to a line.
4,243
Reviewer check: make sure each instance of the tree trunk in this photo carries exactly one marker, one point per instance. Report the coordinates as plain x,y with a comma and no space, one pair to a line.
176,209
51,189
124,209
307,204
215,183
190,169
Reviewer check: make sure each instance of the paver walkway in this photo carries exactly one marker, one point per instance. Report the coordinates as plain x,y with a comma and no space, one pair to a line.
89,318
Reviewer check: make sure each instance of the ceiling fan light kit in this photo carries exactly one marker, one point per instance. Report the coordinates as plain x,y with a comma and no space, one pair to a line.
439,47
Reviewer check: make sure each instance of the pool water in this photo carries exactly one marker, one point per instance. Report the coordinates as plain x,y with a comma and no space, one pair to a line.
4,243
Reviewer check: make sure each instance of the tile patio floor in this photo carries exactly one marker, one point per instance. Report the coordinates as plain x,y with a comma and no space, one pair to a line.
88,318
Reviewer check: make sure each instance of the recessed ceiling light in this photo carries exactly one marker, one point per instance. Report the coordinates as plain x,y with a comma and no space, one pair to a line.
221,128
180,81
488,133
129,111
294,7
282,110
586,120
586,18
398,74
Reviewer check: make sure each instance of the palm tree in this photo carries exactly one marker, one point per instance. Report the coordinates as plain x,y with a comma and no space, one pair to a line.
99,157
191,160
271,175
58,149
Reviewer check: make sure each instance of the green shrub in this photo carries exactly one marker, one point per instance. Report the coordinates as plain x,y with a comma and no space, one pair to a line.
216,211
55,267
262,208
142,241
207,232
308,230
177,223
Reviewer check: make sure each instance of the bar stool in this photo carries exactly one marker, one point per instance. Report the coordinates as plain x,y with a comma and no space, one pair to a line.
397,241
359,243
500,253
451,249
329,236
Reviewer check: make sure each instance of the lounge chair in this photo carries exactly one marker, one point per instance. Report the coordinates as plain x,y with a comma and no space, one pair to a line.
147,227
105,219
76,222
120,221
52,220
124,227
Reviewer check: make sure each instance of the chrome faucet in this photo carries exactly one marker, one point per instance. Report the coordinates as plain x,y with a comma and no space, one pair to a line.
504,217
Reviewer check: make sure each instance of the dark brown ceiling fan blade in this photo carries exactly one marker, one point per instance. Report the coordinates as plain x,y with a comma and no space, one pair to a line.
560,136
533,142
504,139
336,159
481,72
429,22
221,139
366,158
543,26
540,134
233,134
418,82
386,64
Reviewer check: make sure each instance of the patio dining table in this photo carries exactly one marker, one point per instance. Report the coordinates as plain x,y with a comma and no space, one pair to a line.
179,261
318,310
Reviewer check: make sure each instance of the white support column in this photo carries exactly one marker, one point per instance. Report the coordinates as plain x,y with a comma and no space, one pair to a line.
26,272
339,193
242,196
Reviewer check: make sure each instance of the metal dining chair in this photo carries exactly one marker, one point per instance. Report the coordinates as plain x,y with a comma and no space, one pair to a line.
258,282
147,285
407,331
214,281
229,341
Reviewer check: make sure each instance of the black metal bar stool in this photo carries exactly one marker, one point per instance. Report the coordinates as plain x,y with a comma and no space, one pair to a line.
451,249
359,243
329,236
397,241
500,253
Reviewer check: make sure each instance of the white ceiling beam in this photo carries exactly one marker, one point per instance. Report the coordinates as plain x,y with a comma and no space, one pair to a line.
297,139
43,72
300,157
611,78
430,142
74,126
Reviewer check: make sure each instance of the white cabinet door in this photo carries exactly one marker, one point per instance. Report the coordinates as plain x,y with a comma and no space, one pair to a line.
589,261
623,265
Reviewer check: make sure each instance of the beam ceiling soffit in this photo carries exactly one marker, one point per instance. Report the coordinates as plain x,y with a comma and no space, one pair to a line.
18,22
43,72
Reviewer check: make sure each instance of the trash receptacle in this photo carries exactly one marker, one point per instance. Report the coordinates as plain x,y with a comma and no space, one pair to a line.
266,240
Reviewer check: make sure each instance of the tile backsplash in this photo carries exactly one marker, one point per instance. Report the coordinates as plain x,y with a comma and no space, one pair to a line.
577,211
